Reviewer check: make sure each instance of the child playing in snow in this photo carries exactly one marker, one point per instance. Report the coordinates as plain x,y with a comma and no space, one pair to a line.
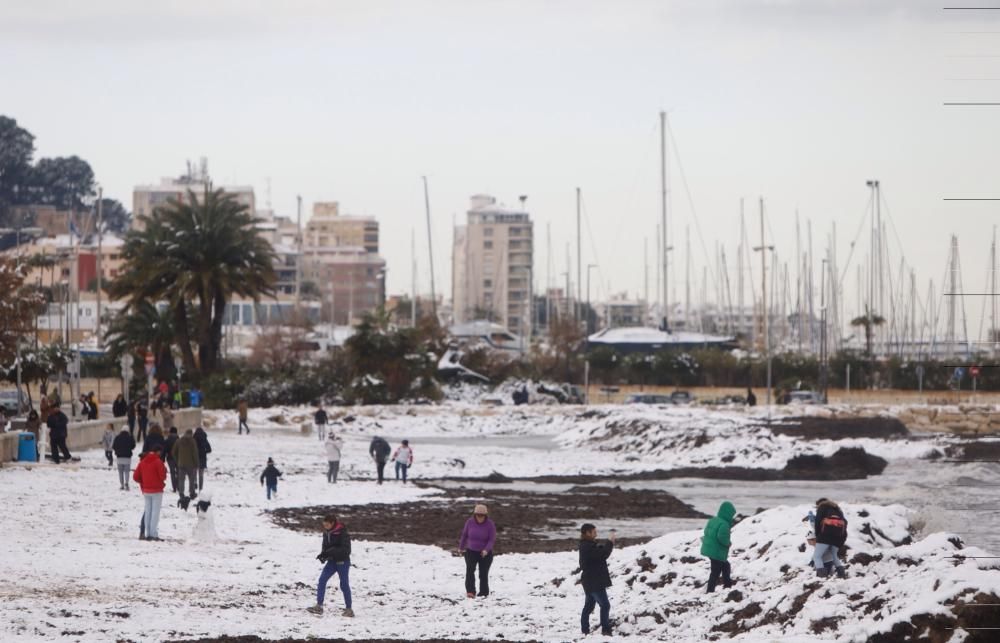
271,475
107,440
336,559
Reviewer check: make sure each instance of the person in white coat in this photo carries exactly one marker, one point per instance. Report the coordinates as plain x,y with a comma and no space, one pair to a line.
333,446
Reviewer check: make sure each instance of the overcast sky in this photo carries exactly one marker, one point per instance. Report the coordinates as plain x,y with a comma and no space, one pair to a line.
798,102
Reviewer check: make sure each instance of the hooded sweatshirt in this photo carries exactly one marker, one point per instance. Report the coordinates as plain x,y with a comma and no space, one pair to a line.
715,540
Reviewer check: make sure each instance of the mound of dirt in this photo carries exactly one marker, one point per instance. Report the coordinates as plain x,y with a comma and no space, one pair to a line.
972,451
840,428
846,464
526,522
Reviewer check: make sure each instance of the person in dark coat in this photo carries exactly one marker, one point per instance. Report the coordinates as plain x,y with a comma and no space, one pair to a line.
91,406
204,448
130,415
320,419
594,577
830,528
336,559
168,456
751,398
270,475
154,441
379,450
185,453
123,446
142,415
119,408
58,425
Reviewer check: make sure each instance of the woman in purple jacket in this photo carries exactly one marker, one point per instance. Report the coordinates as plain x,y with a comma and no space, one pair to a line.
476,545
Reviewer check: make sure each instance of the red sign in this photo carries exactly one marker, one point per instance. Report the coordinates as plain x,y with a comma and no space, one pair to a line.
974,371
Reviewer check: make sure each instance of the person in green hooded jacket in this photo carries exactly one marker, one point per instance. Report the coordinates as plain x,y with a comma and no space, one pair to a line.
715,544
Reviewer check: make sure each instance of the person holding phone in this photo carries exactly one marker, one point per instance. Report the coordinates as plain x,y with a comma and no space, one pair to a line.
594,577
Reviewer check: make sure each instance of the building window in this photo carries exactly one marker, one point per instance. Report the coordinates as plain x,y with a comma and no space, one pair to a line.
488,245
487,232
487,283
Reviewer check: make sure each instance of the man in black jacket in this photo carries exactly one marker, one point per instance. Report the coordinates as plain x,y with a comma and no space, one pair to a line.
379,450
58,425
336,557
594,577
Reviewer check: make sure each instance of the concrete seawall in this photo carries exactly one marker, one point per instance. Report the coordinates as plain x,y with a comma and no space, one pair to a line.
87,434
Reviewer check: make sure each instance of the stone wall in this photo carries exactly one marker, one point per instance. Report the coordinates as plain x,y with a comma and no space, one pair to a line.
87,435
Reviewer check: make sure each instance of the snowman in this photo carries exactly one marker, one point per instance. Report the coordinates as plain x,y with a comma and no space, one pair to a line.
204,527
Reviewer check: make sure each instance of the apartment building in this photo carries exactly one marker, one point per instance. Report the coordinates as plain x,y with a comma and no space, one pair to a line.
146,198
492,263
329,228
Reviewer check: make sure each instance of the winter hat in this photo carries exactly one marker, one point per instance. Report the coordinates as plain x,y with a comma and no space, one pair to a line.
270,460
481,510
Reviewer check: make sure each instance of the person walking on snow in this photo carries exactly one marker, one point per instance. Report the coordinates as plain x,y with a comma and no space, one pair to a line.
403,457
92,406
271,475
123,446
321,418
106,441
168,456
142,414
119,408
476,544
333,446
379,450
58,425
242,410
204,448
830,528
185,454
594,577
336,559
715,545
151,474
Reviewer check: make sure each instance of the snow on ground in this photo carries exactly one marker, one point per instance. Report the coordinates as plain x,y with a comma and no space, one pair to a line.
74,569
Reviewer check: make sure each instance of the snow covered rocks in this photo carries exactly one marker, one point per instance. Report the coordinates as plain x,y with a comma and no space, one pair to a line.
896,590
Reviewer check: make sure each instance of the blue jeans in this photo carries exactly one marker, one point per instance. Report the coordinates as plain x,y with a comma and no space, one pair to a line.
153,502
272,488
401,466
826,551
331,568
599,597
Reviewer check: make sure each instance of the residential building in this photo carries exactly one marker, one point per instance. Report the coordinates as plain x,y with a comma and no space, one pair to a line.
146,198
620,311
351,281
328,228
492,265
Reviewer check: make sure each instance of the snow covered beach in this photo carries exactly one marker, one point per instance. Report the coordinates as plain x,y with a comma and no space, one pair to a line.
75,569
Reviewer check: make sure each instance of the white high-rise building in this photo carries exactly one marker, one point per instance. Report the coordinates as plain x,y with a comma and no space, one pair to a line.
492,265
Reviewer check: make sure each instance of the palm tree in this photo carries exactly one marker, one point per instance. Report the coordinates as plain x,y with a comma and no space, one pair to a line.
141,328
195,255
869,320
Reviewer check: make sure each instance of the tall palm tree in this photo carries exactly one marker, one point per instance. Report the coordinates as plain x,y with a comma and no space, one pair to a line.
869,320
198,253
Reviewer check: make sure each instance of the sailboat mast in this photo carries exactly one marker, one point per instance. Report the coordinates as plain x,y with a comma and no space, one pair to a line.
663,215
430,247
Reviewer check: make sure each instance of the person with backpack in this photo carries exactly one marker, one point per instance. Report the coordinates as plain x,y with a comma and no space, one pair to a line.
321,418
830,528
333,447
204,448
715,543
479,536
379,450
336,558
594,577
151,474
270,475
123,446
403,457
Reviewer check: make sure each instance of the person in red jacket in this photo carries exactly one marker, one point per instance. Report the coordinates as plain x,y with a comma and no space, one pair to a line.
151,474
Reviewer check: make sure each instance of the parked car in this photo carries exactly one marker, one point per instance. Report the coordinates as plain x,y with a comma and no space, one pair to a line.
804,397
681,397
648,398
8,400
